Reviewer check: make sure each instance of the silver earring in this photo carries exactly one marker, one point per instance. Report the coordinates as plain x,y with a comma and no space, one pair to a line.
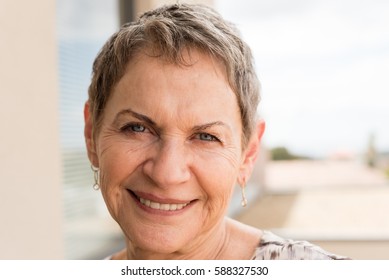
95,170
244,199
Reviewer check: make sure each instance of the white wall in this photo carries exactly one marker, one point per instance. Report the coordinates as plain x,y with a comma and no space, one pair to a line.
30,194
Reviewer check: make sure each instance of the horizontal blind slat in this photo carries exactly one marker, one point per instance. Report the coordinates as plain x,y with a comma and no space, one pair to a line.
76,55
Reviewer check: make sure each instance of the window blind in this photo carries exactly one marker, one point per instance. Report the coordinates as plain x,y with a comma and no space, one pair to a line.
82,27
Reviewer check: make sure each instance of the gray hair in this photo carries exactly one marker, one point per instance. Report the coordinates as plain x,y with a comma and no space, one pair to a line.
167,32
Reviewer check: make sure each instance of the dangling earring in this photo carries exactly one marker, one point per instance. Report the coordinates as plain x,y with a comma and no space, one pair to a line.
244,199
95,170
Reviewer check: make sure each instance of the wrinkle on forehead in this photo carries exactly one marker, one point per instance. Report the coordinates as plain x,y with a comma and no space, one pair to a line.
140,74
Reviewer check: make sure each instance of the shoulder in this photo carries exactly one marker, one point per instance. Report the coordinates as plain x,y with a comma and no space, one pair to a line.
240,240
273,247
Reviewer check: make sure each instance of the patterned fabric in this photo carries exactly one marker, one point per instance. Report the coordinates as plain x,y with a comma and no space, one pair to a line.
273,247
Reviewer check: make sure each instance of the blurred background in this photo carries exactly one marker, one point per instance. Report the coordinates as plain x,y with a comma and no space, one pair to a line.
322,173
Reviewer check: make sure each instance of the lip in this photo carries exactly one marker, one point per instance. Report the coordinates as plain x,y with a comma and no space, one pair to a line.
135,195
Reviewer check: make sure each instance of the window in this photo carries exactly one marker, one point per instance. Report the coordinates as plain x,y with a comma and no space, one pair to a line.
82,27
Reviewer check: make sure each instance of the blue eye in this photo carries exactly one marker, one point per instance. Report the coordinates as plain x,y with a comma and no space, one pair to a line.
137,128
133,127
207,137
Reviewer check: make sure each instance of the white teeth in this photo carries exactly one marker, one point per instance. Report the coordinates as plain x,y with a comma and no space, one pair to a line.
160,206
173,207
165,207
154,205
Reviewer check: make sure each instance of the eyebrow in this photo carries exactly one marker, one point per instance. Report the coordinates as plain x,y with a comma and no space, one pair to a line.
208,125
134,114
151,122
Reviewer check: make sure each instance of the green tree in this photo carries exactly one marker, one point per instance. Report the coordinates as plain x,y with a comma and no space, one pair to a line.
282,153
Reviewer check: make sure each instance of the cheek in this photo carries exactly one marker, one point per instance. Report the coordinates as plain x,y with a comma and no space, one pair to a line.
118,159
222,165
118,156
218,173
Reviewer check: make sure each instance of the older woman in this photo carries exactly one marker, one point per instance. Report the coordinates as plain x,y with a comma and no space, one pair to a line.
171,128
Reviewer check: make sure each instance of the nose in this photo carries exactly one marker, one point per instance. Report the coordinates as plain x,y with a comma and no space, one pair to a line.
168,164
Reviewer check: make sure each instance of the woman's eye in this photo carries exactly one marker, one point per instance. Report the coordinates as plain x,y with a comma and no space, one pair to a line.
134,128
207,137
137,128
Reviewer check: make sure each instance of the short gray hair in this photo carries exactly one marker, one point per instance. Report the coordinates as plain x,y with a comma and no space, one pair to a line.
168,31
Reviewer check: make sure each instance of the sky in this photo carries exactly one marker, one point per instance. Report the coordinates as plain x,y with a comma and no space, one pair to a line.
324,70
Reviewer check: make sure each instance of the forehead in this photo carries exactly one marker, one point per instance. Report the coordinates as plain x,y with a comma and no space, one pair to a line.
190,63
187,61
154,85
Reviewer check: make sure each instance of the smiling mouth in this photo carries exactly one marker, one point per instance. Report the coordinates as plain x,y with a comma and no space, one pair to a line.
160,206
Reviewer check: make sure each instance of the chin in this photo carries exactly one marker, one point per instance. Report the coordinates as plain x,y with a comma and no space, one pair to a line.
159,239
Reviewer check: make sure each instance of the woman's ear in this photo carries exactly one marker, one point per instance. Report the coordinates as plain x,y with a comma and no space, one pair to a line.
250,154
89,141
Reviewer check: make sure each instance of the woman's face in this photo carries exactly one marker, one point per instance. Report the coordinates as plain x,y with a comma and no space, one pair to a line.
169,151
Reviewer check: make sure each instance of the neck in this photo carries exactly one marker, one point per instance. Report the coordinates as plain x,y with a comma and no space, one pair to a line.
210,245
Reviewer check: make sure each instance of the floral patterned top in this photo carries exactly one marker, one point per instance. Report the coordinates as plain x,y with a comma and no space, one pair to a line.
273,247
